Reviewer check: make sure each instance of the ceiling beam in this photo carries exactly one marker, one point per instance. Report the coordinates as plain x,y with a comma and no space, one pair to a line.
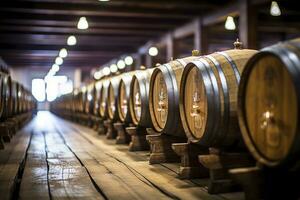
94,40
92,24
96,12
154,4
74,30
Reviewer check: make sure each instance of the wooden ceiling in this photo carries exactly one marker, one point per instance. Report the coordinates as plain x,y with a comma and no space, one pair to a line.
33,31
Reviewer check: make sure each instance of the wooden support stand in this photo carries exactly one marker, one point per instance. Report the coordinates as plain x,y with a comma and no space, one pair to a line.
138,139
122,136
219,162
101,130
5,132
12,125
95,122
111,133
1,143
161,147
251,180
261,182
190,167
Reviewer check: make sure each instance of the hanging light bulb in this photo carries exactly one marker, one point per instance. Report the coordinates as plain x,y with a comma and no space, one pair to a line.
63,53
55,67
113,68
153,51
51,73
82,23
59,61
275,10
106,71
97,75
71,40
229,24
121,64
128,60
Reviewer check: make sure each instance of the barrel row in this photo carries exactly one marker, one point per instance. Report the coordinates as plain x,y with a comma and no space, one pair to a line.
16,107
220,100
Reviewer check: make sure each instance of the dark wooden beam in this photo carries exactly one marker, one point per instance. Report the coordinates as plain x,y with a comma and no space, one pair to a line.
74,30
92,24
248,25
154,4
221,14
71,48
200,37
94,11
91,40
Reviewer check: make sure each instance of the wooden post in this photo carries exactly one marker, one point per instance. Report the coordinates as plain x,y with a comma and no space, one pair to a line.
200,37
170,46
248,25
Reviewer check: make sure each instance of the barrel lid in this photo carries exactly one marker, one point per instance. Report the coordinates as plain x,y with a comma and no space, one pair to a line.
268,109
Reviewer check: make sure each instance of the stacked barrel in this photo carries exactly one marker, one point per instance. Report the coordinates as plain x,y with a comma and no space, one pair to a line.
231,101
17,106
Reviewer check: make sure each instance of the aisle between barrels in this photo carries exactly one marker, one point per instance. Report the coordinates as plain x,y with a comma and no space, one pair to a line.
62,160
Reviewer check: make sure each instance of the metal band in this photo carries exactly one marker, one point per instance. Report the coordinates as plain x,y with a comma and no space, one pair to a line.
233,65
213,102
225,91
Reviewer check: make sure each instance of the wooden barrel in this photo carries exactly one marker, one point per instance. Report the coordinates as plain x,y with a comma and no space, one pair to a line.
21,98
139,98
15,98
76,101
2,93
96,95
268,104
89,102
103,98
8,102
124,97
208,98
164,97
112,98
80,101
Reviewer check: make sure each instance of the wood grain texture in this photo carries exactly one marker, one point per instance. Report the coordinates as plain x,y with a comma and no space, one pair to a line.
268,104
139,98
103,98
131,168
124,97
10,162
164,96
214,119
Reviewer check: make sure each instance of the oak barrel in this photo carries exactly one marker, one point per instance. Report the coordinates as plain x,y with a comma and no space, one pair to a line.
2,93
8,102
208,98
164,97
112,98
96,95
15,98
90,99
124,97
139,98
268,104
103,98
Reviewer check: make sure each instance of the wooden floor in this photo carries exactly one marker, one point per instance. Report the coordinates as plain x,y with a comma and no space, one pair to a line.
52,158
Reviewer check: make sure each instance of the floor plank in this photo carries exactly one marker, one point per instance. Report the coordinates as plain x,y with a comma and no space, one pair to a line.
63,160
12,160
164,178
34,183
68,179
116,179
